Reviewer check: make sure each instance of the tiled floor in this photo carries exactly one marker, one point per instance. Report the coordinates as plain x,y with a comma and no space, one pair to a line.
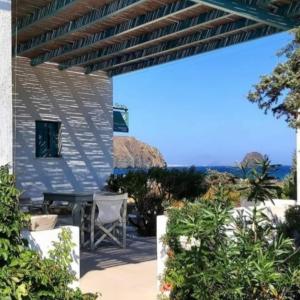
121,273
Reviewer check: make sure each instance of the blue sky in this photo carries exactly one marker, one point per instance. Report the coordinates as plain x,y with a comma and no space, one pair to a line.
195,110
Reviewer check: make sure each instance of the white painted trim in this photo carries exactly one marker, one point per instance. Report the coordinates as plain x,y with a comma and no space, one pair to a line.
6,114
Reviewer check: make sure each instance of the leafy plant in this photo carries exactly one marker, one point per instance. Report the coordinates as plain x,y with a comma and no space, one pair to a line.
24,275
280,91
289,188
260,185
214,256
155,187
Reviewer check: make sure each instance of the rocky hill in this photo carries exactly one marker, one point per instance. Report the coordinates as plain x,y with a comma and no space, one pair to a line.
129,152
251,159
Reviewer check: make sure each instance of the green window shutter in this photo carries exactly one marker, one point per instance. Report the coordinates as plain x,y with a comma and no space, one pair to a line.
48,139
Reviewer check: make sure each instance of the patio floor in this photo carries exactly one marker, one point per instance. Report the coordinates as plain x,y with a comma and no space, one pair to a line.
121,274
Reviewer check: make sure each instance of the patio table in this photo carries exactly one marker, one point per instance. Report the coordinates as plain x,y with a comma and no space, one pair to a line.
75,199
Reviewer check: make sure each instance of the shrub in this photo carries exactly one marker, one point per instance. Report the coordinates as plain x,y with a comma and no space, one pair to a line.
289,189
207,263
260,186
24,275
155,187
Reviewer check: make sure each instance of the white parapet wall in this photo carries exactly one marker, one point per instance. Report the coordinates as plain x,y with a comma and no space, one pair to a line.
161,248
42,242
6,128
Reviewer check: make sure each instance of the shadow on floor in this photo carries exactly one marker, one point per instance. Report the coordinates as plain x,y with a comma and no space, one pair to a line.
139,249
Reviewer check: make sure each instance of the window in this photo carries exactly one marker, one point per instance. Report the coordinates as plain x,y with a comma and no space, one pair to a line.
47,139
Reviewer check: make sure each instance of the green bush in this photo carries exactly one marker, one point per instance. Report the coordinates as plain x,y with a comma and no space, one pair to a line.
153,189
207,261
289,188
24,275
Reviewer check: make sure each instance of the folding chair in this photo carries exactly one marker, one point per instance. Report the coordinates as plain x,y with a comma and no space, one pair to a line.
108,215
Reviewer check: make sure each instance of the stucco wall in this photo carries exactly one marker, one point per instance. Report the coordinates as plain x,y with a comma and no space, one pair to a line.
83,103
5,83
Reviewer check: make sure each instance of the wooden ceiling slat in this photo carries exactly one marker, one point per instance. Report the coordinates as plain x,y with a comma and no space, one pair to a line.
194,39
22,8
54,15
92,22
202,48
174,30
252,12
150,19
144,32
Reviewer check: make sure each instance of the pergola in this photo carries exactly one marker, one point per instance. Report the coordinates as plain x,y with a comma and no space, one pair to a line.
119,36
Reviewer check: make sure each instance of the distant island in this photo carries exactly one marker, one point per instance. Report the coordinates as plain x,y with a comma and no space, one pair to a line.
251,159
132,153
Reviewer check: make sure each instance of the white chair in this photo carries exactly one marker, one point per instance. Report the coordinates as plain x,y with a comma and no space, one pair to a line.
108,216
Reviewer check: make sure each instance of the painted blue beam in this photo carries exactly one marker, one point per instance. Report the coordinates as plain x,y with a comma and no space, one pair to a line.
201,48
251,11
203,36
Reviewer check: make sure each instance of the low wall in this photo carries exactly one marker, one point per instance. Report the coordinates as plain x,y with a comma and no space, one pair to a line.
277,208
42,242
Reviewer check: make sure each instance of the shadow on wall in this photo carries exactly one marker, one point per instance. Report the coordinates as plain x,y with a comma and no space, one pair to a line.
5,5
83,104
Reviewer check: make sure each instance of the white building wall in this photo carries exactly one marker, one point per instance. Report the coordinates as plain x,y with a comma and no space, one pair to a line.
5,84
83,103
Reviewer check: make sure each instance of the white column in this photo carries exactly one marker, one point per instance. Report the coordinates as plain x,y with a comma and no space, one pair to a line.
6,114
162,256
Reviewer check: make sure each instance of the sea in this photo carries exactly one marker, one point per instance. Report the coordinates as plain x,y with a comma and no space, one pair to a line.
279,174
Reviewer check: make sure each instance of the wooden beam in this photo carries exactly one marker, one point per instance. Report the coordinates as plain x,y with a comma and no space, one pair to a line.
166,11
82,23
204,36
201,48
41,14
252,12
161,34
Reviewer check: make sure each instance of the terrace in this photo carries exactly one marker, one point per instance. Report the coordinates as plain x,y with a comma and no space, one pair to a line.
64,55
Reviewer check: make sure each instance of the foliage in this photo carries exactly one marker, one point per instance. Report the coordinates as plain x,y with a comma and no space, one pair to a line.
289,188
222,180
260,185
209,261
280,91
215,178
24,275
150,189
187,183
291,226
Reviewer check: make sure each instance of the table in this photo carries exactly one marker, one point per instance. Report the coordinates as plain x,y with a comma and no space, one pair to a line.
76,199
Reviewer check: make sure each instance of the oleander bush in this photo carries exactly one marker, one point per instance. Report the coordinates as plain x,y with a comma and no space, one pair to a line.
24,275
209,261
217,254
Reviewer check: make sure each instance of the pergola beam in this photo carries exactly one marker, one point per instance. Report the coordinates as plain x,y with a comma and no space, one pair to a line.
93,40
201,48
41,14
80,24
252,12
204,36
161,34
